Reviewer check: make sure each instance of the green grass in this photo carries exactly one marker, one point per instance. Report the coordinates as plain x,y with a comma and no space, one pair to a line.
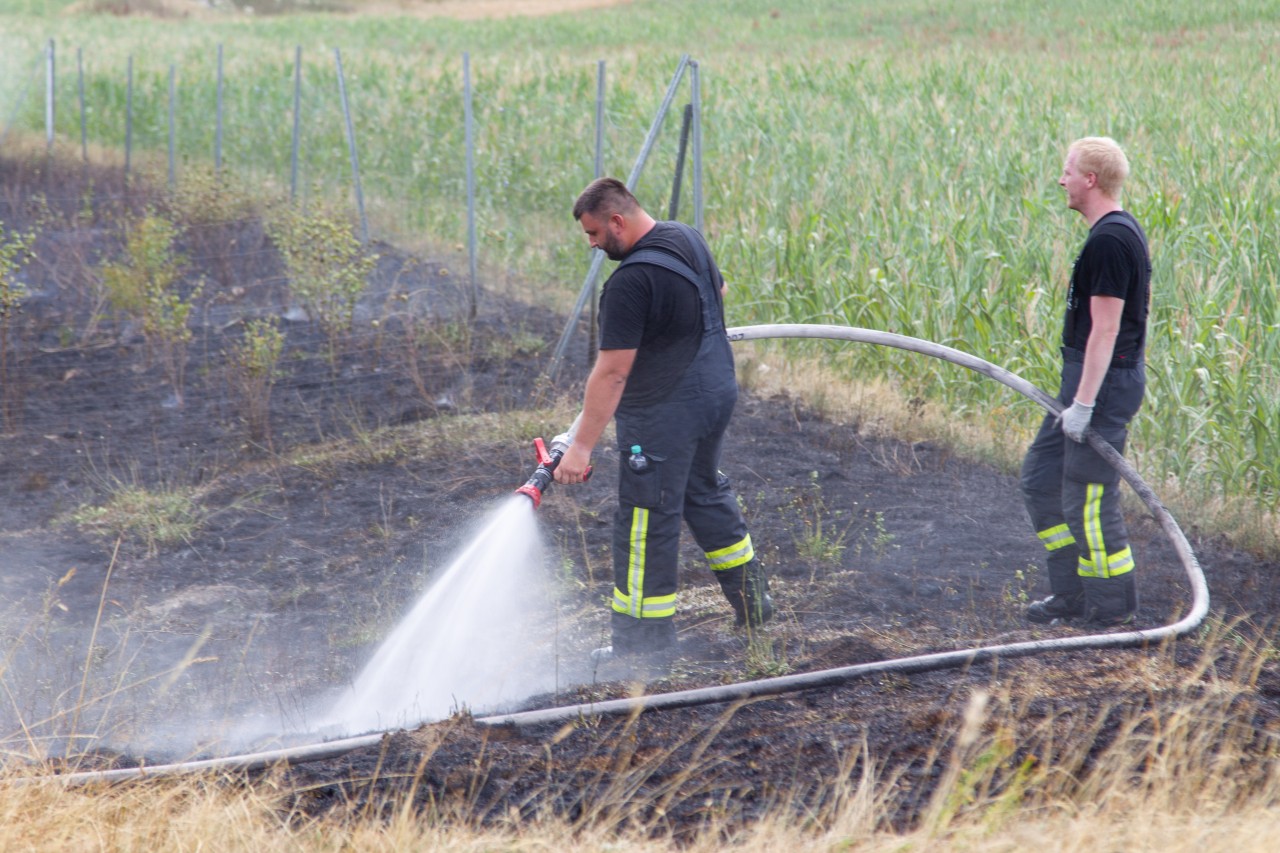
887,165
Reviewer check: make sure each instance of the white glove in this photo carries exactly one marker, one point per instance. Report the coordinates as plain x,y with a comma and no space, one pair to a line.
1075,420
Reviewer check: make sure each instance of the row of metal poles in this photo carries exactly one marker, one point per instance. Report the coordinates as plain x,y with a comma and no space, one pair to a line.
49,62
691,129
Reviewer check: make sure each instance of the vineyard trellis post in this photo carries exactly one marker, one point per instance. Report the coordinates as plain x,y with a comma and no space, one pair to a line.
592,320
84,128
469,141
50,82
351,145
297,133
673,209
695,97
128,120
173,97
217,131
597,256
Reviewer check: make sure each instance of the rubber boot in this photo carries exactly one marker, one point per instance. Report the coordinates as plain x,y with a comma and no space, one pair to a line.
747,590
1110,601
642,637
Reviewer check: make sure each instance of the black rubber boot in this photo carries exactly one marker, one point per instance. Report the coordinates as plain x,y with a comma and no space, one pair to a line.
1056,608
642,637
747,590
1110,601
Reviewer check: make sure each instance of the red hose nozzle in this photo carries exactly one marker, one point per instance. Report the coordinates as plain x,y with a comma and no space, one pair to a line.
544,475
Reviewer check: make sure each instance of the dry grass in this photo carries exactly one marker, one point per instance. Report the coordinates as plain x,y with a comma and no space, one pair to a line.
1179,767
880,409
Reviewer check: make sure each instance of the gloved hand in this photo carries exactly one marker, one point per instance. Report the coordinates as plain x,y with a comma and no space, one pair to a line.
1075,419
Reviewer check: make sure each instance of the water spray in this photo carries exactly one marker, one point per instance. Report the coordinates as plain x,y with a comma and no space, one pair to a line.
544,475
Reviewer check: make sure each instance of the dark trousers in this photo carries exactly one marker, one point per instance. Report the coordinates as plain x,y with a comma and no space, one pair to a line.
1072,495
682,437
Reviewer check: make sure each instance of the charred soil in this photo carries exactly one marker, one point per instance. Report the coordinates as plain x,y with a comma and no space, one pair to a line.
314,537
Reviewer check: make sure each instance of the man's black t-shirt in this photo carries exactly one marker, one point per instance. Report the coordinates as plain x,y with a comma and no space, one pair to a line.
655,312
1113,262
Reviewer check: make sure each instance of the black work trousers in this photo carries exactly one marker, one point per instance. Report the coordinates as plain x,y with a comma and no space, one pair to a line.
1072,495
682,437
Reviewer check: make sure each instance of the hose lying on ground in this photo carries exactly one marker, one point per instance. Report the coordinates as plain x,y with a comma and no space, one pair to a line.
801,681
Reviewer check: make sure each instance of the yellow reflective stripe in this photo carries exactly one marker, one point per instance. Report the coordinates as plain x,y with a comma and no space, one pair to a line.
635,561
1056,537
1097,549
658,607
1098,563
1109,566
1120,563
635,604
621,601
737,554
646,608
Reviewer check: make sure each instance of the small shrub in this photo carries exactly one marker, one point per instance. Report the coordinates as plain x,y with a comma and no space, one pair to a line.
820,540
15,251
144,285
254,367
328,270
205,197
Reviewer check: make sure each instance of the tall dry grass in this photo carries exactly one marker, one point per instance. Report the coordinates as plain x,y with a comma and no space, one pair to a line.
1180,758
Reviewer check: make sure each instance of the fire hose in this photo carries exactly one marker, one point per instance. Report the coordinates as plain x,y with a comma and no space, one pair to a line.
541,479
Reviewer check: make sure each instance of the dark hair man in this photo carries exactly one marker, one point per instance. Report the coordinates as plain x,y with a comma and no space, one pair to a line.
665,373
1071,492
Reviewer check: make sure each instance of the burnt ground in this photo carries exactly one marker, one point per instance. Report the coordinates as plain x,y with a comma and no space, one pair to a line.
314,539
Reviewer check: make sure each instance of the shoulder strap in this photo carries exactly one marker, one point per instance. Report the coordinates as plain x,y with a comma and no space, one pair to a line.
659,258
673,262
1117,216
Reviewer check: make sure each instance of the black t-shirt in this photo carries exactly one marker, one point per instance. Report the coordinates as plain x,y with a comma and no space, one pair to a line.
1113,262
655,312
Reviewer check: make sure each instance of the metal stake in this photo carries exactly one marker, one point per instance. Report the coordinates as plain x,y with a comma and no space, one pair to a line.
351,144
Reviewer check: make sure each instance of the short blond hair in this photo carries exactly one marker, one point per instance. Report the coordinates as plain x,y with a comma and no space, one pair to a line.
1102,156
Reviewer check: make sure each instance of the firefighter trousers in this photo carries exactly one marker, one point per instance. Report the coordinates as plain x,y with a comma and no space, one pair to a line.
1072,495
682,438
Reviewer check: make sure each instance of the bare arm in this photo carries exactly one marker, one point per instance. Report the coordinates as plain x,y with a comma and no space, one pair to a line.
1105,312
604,390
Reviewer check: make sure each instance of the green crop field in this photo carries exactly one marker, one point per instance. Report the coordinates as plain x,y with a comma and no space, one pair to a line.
886,165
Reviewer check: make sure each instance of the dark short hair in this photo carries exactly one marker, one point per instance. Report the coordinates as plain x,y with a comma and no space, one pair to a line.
607,196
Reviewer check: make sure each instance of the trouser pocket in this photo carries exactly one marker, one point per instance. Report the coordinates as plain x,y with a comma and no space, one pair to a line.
641,488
